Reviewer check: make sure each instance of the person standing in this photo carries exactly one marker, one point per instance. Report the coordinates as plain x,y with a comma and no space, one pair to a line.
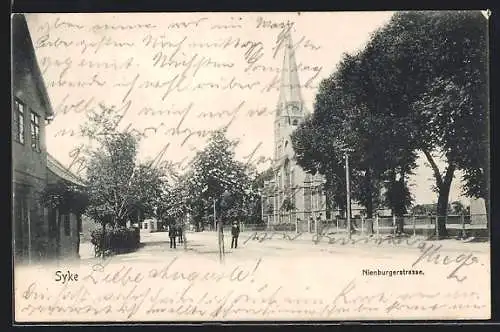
318,225
171,234
235,232
180,233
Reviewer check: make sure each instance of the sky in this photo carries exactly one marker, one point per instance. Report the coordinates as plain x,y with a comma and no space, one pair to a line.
173,77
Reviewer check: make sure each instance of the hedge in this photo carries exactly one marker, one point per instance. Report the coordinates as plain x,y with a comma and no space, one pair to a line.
115,241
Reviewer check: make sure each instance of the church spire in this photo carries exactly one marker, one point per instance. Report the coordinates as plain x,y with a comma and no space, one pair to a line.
290,84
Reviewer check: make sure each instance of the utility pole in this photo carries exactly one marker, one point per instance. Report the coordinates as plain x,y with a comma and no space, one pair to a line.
348,208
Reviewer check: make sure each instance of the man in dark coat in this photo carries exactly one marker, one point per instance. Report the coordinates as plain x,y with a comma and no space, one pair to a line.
172,232
180,233
235,232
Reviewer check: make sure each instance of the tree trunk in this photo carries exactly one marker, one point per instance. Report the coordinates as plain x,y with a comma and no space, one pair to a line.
400,204
393,187
443,184
103,240
442,207
442,212
369,202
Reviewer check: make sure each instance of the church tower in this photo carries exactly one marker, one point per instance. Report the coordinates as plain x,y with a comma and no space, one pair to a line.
293,196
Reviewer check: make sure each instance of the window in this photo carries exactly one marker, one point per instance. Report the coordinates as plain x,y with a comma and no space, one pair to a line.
19,121
295,122
35,131
67,230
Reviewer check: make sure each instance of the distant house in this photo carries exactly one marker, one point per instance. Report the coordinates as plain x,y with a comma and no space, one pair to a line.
38,232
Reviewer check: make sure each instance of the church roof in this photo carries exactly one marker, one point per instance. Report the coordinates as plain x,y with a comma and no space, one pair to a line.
290,83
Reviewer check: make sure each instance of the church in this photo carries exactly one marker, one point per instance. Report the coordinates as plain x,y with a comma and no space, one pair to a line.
292,196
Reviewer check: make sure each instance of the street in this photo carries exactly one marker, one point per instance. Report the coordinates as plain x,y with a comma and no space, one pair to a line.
269,276
155,247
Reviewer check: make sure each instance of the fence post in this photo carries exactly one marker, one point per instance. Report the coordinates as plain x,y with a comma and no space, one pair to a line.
378,226
414,225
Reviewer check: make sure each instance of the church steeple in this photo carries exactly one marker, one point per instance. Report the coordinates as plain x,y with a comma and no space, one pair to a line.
290,110
290,83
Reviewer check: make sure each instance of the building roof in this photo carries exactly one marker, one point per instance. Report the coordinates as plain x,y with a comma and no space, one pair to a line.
63,172
22,49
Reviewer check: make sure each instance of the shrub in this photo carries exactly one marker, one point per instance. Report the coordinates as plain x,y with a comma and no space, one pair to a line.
115,241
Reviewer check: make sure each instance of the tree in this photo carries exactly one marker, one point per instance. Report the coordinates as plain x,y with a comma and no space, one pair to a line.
429,68
345,118
215,177
119,187
65,196
457,207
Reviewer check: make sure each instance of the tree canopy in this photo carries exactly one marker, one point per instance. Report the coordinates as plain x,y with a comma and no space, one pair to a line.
419,85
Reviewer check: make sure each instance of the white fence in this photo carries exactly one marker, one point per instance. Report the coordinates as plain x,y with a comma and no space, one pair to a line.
459,225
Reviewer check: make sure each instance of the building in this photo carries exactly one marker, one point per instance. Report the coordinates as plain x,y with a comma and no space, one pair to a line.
65,227
478,212
36,228
293,196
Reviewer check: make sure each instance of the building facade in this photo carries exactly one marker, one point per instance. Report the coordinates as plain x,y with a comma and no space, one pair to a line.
478,211
292,196
36,228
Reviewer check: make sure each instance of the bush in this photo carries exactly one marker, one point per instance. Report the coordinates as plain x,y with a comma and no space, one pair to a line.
115,241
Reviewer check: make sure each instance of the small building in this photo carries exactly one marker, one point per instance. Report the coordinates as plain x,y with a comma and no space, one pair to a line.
149,225
478,214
